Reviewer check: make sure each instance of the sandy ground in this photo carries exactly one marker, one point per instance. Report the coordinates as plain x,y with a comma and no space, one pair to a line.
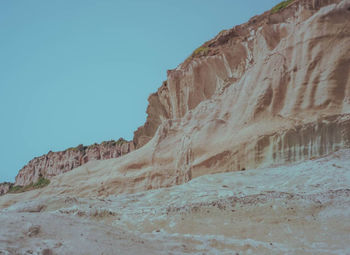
302,208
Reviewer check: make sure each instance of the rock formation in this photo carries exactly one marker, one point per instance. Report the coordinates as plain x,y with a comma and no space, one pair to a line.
270,91
5,187
55,163
215,170
261,64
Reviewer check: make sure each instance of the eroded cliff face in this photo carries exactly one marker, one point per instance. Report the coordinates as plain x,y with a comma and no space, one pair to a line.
280,64
271,91
158,110
55,163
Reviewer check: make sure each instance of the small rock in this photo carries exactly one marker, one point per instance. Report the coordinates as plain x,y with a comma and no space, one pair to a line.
33,231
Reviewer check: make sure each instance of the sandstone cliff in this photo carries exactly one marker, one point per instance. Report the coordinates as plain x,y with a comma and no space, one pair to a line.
282,54
273,90
55,163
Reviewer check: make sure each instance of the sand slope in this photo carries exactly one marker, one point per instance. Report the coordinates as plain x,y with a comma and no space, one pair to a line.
304,210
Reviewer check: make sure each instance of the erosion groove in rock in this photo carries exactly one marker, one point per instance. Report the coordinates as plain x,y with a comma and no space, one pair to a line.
302,142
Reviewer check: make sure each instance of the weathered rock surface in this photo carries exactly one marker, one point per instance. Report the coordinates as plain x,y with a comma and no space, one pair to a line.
280,64
55,163
158,110
271,91
4,187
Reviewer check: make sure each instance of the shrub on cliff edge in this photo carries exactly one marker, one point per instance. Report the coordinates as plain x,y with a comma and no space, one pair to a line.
281,6
201,51
41,183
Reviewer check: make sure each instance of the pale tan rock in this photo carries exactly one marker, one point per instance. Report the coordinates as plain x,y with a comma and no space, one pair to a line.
271,91
258,65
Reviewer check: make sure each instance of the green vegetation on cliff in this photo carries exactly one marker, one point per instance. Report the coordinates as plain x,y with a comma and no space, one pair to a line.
281,6
41,183
119,142
201,51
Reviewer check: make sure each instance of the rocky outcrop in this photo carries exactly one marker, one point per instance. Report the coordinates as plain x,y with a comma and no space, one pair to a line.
5,187
158,110
55,163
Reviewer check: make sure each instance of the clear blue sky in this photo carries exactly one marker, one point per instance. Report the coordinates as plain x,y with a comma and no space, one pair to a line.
80,71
